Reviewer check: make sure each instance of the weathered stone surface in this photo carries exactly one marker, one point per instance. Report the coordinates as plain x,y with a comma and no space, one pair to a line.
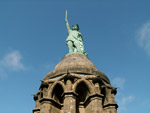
75,86
76,63
69,104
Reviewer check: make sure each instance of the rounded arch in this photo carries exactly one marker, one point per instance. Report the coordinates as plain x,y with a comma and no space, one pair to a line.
56,91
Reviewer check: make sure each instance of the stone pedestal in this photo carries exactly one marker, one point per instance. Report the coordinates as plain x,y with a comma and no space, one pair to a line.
75,86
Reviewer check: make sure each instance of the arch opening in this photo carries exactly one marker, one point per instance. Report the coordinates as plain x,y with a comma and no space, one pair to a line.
57,93
83,92
103,92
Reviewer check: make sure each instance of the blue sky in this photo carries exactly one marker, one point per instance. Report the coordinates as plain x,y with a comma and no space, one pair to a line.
32,41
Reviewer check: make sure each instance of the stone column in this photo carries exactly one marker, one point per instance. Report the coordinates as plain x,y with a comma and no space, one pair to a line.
110,108
49,105
94,104
37,105
45,105
69,102
110,105
36,110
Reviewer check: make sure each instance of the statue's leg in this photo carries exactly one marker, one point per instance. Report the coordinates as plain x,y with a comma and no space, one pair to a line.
75,49
70,46
77,45
81,46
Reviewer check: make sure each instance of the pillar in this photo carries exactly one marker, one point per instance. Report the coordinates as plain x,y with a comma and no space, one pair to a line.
69,102
94,104
45,105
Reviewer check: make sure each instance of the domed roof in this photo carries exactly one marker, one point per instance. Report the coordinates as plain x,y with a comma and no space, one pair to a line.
75,63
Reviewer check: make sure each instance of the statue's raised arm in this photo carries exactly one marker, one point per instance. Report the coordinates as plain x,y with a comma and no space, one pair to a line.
67,24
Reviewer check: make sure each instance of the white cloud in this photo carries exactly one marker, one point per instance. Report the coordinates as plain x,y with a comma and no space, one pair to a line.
11,61
123,102
126,100
118,82
143,37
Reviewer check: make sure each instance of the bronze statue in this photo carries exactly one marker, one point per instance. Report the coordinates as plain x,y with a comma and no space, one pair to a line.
74,39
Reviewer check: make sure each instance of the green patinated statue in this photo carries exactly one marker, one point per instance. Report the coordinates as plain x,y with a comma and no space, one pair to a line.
74,39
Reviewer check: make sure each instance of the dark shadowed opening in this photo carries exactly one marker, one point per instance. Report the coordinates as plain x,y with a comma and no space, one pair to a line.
83,91
41,95
103,92
57,93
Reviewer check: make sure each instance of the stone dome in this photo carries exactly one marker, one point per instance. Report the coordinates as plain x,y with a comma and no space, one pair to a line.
75,63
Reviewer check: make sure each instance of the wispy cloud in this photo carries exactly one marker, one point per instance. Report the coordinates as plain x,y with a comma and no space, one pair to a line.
118,82
124,101
11,61
143,37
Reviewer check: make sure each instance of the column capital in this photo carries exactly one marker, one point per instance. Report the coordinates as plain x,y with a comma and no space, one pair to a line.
111,105
50,101
36,110
69,94
94,96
